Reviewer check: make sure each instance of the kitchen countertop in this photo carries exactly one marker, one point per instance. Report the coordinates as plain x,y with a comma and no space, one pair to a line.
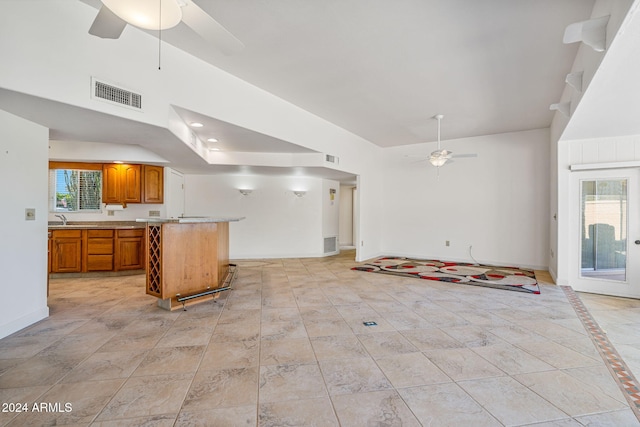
190,219
82,225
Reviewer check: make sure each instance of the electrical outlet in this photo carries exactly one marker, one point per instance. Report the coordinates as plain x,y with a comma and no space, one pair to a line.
446,243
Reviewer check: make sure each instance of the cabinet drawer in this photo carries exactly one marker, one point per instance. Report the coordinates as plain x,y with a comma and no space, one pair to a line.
135,232
99,233
100,246
100,263
67,233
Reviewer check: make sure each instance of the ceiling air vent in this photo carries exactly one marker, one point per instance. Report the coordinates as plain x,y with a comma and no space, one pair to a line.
331,159
116,95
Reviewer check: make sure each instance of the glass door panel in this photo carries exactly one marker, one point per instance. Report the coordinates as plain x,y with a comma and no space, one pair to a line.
604,216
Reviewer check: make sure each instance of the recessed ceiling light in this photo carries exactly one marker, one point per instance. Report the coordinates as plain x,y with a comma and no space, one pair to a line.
196,125
118,161
214,149
212,140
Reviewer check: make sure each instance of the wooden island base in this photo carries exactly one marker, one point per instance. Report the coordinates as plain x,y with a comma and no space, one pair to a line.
187,257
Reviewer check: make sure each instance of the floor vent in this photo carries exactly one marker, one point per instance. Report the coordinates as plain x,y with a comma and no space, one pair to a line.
330,245
116,95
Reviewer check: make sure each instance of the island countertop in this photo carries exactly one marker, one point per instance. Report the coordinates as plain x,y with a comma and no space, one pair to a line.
84,225
189,219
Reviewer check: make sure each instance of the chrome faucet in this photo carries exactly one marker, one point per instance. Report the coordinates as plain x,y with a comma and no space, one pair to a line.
63,218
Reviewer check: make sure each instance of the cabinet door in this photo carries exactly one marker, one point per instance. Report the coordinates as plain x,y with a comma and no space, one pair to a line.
67,255
130,249
130,254
131,179
153,178
111,188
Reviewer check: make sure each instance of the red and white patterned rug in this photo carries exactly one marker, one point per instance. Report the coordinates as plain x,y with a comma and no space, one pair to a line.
509,278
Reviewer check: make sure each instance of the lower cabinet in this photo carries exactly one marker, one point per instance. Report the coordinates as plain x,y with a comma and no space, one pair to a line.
130,249
93,250
66,247
100,250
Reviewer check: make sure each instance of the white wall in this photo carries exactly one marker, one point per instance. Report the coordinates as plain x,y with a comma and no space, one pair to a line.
498,202
23,248
278,224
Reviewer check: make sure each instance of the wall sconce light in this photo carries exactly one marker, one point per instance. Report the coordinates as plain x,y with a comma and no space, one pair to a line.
592,32
299,193
245,191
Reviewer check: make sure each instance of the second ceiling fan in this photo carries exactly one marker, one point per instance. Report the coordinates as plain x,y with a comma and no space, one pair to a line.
440,156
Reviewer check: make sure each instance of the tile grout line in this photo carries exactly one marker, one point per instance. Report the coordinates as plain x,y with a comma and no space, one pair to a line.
612,359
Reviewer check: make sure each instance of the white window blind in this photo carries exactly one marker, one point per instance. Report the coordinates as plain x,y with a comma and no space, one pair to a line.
75,190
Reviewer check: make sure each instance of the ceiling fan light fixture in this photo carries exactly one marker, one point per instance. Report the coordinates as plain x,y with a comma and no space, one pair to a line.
146,14
437,161
439,157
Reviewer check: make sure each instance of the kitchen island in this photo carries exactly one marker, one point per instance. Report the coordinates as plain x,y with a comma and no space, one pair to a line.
187,258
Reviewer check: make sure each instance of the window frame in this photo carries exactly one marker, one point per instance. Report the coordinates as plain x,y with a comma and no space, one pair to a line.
54,167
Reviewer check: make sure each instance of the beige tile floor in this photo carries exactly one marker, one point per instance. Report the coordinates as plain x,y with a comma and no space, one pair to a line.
287,347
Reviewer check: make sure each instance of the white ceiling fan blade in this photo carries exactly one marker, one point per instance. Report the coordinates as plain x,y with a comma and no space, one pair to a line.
209,29
460,156
107,24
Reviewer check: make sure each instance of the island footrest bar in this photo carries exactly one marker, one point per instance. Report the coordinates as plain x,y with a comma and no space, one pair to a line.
225,287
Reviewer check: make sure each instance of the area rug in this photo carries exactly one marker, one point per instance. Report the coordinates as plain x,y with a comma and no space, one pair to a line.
509,278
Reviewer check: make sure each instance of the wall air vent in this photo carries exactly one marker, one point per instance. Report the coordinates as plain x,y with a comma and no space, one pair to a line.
331,245
331,159
115,95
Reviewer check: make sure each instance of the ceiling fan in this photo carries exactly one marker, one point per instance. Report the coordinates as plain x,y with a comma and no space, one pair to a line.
441,156
114,15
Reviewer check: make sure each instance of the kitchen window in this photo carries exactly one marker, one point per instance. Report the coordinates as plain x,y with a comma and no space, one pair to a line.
75,190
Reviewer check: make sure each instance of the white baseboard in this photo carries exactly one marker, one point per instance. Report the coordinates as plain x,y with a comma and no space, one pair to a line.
24,321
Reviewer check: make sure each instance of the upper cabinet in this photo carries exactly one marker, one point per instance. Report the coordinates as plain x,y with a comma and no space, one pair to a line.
111,192
131,176
124,183
153,184
121,183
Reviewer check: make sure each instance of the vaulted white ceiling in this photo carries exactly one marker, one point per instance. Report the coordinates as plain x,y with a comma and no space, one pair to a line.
381,68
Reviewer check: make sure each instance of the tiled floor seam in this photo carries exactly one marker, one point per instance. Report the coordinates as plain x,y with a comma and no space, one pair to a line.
613,361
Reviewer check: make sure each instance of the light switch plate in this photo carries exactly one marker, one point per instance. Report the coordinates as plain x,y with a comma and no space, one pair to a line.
30,214
154,213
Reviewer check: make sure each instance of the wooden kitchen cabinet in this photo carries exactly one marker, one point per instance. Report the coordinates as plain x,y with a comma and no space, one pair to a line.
66,251
153,184
130,249
96,250
121,183
99,250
